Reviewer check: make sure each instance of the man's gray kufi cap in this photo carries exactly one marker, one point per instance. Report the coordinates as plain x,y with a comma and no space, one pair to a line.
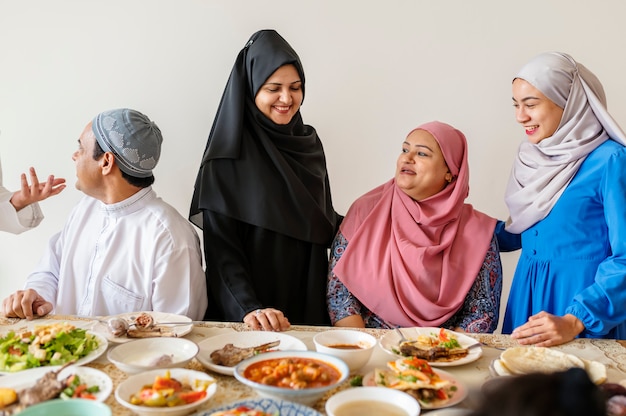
131,137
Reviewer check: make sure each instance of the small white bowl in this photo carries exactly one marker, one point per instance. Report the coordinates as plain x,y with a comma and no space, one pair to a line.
306,396
374,401
144,354
134,383
352,346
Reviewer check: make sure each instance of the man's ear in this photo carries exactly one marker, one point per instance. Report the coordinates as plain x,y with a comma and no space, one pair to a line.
107,162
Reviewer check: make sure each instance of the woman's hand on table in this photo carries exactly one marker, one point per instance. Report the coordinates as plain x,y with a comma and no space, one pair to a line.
267,319
25,304
547,330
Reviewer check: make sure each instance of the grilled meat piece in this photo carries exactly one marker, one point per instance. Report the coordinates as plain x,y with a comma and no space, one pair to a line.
46,388
414,349
144,321
230,355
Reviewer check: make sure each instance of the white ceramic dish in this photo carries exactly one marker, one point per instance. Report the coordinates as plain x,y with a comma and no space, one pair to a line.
356,357
450,412
100,327
390,341
134,383
143,354
459,395
284,408
305,396
74,407
93,355
244,340
386,397
88,375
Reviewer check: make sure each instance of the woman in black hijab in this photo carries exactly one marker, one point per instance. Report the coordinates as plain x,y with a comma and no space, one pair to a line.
262,196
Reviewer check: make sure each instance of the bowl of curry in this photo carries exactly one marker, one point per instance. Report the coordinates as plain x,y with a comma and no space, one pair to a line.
297,376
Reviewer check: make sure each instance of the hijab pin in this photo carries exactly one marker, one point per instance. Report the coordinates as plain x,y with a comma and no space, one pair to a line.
250,42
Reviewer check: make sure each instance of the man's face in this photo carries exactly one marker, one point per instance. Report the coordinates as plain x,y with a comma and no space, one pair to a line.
88,172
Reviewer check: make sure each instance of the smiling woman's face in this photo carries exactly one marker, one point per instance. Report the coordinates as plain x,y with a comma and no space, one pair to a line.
539,115
281,95
421,170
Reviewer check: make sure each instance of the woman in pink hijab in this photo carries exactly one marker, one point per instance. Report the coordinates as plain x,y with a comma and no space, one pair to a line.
411,252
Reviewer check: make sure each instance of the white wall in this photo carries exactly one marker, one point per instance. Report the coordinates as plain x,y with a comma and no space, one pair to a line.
375,70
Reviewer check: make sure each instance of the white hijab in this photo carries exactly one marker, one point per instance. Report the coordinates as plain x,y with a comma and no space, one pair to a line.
542,171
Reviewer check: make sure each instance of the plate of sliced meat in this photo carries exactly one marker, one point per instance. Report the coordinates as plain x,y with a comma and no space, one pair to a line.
440,347
221,353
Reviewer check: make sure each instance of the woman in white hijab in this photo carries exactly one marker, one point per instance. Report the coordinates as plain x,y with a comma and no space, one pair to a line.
567,198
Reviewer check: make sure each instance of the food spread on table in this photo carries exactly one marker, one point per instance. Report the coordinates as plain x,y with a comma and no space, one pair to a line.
416,377
45,345
524,360
167,391
45,388
230,355
435,346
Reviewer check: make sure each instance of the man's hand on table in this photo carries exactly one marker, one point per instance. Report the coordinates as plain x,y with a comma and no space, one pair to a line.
26,304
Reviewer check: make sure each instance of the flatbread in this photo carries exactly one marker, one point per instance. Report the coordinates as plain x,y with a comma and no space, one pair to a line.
596,371
525,360
501,369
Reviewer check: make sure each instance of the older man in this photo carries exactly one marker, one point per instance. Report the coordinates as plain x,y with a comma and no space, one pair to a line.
123,249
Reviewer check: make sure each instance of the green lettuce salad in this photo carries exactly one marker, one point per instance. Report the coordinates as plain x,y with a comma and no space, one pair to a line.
45,345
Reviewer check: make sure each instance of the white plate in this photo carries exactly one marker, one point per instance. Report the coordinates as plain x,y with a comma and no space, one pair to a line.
179,330
284,408
459,395
244,340
390,341
93,355
450,412
88,375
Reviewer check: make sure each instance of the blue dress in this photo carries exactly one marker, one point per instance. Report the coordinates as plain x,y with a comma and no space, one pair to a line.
574,260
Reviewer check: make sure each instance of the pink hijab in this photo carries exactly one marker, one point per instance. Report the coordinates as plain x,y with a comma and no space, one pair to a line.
412,263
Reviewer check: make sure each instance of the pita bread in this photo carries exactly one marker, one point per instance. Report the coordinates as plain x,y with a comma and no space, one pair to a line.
525,360
501,369
596,371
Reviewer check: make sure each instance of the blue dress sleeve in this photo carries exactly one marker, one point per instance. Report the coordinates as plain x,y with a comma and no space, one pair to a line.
600,306
507,241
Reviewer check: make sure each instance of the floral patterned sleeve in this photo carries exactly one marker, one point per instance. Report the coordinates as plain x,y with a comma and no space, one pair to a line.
481,309
341,303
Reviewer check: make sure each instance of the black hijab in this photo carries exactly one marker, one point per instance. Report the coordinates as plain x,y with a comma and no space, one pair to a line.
256,171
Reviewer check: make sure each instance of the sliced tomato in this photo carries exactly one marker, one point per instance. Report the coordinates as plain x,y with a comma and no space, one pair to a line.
443,336
162,383
441,394
79,390
192,396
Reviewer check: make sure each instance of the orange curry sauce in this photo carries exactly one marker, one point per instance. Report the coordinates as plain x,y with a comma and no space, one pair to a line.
292,373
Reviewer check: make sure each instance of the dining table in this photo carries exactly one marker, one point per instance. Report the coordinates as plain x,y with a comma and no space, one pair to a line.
472,375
